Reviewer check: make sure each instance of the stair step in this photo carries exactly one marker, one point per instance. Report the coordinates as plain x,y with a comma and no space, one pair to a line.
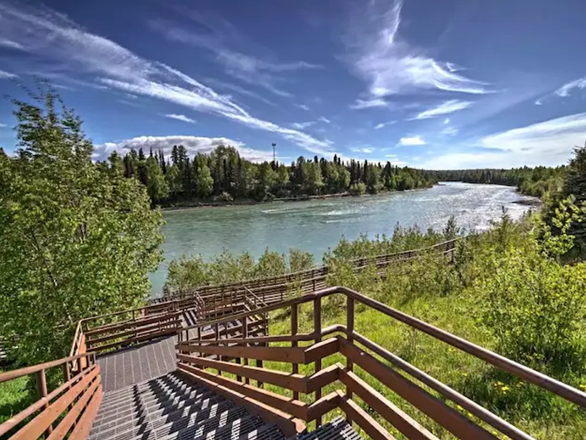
265,432
337,429
153,398
133,416
215,421
153,421
233,429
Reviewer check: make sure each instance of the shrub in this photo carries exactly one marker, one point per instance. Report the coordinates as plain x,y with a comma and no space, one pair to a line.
357,189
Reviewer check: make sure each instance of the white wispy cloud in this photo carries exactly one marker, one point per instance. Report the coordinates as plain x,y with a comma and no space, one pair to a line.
180,118
447,121
384,124
218,38
302,107
302,125
548,143
389,64
10,44
450,131
553,138
7,75
368,103
193,144
411,141
324,120
76,50
3,125
364,150
447,107
565,90
222,85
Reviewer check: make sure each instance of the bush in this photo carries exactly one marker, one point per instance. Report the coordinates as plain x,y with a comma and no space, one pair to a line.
357,189
535,308
224,198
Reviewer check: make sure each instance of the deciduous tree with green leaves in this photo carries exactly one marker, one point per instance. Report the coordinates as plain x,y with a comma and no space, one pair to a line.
77,240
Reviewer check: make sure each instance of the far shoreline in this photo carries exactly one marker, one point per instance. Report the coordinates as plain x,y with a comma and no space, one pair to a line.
251,202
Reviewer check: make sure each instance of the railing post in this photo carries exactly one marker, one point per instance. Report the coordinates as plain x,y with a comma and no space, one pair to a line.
42,390
217,331
294,329
244,338
317,330
350,338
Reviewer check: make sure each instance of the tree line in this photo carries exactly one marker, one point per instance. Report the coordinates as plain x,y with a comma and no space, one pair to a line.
224,176
536,182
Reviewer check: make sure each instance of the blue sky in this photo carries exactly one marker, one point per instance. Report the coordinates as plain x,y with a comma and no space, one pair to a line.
428,83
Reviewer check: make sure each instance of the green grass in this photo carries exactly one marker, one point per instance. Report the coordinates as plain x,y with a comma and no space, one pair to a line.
15,396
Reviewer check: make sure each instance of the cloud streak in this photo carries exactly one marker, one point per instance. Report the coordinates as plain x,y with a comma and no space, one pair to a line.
180,118
384,124
390,65
565,90
411,141
215,31
445,108
6,75
55,38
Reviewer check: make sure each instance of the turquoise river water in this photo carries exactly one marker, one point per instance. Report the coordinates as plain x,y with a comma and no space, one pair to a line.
317,225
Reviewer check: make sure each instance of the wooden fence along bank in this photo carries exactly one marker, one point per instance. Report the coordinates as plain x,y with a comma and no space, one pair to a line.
233,380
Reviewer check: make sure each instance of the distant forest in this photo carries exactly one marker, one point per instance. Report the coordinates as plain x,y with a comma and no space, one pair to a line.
535,182
223,176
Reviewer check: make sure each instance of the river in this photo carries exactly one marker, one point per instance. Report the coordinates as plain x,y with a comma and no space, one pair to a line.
317,225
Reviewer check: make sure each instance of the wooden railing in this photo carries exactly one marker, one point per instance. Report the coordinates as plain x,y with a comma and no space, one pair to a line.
307,281
68,410
244,383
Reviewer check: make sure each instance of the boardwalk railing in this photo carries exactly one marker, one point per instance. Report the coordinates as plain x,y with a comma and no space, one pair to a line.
275,288
223,363
68,410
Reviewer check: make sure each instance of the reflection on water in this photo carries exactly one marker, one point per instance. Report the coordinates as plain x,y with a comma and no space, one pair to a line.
317,225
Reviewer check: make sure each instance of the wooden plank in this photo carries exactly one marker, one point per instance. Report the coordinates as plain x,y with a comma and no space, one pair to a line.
365,421
323,406
69,420
446,416
277,354
317,352
390,412
295,382
14,374
84,424
36,427
322,378
294,407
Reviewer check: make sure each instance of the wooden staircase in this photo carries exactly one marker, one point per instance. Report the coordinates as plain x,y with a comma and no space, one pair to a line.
187,370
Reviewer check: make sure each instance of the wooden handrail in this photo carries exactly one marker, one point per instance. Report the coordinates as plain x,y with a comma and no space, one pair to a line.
26,371
526,373
197,352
